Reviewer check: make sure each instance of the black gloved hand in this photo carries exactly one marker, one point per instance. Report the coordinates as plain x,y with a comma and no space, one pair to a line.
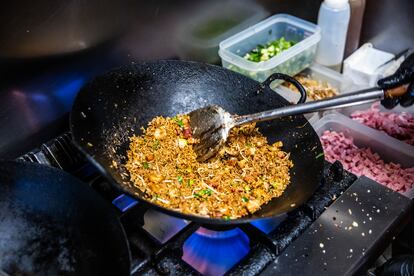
403,76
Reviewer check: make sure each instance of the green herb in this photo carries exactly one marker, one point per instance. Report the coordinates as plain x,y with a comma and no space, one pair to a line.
180,179
271,49
205,192
319,155
202,192
249,145
179,122
226,217
190,182
245,199
146,165
156,145
154,198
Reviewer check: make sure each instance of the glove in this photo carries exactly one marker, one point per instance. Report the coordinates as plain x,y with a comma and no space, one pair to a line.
398,266
403,76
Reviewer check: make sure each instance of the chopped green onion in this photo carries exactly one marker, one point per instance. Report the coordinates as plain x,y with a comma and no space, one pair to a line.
226,217
179,122
271,49
180,179
245,199
319,155
156,145
205,192
190,182
146,165
202,192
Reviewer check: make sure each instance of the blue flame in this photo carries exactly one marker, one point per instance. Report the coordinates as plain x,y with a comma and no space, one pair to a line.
269,224
124,202
215,252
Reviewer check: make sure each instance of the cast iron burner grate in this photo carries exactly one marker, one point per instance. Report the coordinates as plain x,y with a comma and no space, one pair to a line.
161,244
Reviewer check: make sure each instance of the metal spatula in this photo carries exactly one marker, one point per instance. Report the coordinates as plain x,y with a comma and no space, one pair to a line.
212,124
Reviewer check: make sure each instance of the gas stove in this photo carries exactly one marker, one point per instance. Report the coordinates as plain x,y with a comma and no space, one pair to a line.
341,229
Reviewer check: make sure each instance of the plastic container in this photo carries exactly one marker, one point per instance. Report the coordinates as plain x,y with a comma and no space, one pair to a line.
333,19
347,111
290,61
364,65
199,36
390,149
319,73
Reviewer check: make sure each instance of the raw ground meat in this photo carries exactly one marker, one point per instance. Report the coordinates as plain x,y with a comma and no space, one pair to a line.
397,125
363,161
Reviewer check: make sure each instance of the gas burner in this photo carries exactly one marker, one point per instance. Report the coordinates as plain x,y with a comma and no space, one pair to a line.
268,225
215,252
162,226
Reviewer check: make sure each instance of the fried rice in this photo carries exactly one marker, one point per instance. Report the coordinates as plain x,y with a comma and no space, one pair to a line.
246,173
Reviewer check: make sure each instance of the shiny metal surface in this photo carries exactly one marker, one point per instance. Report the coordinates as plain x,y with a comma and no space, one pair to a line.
44,28
388,24
35,100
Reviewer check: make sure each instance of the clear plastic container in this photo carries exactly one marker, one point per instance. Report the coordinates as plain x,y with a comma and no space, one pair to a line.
319,73
199,36
290,61
347,111
390,149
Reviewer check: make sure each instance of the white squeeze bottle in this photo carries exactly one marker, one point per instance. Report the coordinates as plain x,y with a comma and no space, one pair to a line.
333,19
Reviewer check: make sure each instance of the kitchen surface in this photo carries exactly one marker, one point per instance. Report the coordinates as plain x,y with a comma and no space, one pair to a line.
352,211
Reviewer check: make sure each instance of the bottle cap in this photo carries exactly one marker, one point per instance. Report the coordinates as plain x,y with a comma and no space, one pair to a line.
336,4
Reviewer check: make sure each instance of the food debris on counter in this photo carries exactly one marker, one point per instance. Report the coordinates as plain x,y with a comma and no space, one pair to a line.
315,89
397,125
363,161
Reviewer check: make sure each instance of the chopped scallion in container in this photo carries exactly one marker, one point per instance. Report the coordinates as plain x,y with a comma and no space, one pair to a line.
271,49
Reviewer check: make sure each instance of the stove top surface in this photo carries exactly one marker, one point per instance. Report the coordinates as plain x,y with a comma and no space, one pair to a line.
302,240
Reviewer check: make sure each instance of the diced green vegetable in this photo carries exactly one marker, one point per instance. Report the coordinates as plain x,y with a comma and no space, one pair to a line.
202,192
180,179
145,165
271,49
245,199
190,182
205,192
179,122
226,217
156,145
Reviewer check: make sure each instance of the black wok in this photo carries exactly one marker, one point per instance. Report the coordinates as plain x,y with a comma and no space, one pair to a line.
112,107
53,224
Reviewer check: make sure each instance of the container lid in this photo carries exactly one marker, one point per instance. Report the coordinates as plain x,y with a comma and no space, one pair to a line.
336,4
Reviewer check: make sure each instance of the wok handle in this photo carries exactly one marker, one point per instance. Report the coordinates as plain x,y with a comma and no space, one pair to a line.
353,98
280,76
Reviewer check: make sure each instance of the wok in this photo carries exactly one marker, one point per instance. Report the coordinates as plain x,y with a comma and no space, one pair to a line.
53,224
114,106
